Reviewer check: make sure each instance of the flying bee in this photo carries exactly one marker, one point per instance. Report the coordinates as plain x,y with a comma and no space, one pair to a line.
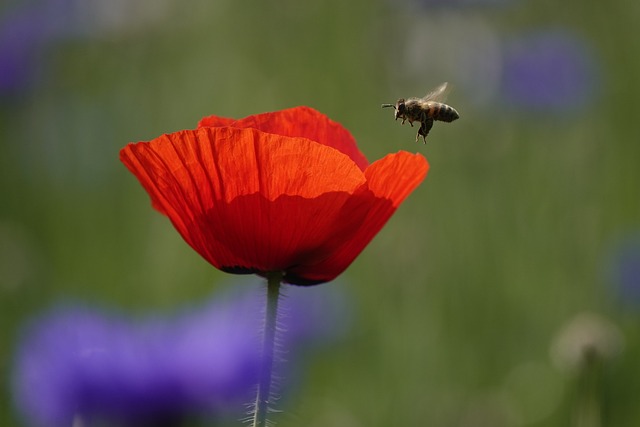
425,110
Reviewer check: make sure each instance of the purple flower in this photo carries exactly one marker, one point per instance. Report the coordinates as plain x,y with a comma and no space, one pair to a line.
29,29
20,40
448,4
624,268
77,361
25,32
548,70
314,317
80,362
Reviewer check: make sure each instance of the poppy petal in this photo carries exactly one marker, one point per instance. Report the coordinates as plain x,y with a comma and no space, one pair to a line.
396,175
299,122
389,181
242,198
215,121
283,234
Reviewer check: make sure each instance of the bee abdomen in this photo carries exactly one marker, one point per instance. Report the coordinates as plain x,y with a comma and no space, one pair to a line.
443,112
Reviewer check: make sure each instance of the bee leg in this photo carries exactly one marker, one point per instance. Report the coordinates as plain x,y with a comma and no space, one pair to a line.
425,127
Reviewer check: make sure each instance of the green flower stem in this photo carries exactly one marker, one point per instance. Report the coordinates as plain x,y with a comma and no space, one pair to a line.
588,410
261,407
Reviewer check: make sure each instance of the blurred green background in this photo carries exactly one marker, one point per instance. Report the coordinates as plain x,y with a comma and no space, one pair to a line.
458,300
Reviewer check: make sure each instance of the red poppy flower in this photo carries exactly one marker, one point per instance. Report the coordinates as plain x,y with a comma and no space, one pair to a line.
287,191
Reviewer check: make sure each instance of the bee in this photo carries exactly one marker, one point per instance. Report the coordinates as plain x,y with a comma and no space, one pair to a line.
425,110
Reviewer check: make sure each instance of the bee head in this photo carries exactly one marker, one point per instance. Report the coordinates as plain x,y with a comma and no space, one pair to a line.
400,107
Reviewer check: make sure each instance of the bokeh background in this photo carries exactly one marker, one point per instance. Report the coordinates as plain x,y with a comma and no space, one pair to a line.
463,309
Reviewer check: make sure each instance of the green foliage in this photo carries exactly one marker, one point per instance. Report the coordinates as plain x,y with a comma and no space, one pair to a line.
457,299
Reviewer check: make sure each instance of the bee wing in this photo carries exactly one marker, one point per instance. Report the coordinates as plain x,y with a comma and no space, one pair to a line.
439,94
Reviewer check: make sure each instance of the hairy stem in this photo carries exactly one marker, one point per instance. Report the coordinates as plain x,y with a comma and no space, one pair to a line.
261,407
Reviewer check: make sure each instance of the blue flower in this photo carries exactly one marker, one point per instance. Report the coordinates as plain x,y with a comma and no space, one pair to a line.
21,37
77,362
26,31
624,268
29,30
548,71
449,4
80,362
